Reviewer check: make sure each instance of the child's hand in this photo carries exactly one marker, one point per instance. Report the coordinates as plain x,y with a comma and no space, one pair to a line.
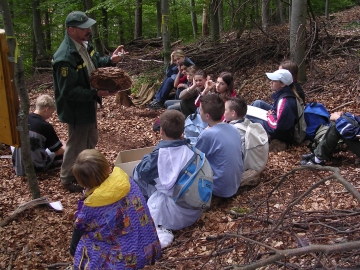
181,85
270,112
209,84
335,115
172,58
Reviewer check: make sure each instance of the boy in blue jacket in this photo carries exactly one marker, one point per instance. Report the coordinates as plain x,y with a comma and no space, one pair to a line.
341,128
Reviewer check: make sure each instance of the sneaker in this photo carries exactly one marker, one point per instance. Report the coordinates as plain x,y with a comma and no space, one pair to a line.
165,236
311,161
151,102
307,156
72,186
156,105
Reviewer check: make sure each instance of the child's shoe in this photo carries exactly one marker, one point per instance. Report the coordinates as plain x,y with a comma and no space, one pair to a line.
165,236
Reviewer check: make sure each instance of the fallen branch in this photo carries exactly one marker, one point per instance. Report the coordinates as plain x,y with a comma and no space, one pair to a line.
56,265
286,253
343,105
22,208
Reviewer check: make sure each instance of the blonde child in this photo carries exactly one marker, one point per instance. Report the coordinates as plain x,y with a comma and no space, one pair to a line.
114,229
44,142
172,71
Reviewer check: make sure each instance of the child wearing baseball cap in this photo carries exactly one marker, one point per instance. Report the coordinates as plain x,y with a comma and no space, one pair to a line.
282,114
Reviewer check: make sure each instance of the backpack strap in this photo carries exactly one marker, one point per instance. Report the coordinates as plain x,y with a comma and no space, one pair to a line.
189,182
351,121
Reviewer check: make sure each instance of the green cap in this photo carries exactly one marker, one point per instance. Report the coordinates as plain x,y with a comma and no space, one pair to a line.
78,19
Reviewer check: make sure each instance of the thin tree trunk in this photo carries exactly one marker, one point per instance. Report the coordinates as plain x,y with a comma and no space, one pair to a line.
265,14
19,79
165,27
47,31
41,58
221,15
193,18
138,19
298,36
215,33
158,18
205,20
279,11
327,9
175,18
105,27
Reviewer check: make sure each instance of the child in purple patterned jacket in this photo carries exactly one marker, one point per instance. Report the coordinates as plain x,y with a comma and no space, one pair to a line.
113,224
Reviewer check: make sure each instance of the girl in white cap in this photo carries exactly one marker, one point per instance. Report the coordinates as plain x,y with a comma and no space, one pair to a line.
282,115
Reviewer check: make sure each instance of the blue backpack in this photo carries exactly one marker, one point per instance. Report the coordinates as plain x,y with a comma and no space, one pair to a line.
315,115
194,186
193,127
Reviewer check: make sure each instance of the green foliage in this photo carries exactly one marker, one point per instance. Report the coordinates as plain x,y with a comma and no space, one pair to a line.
120,29
318,6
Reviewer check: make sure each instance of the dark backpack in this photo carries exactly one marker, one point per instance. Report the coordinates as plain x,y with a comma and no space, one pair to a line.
315,115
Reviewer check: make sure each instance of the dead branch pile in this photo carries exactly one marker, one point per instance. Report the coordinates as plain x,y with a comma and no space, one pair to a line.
308,220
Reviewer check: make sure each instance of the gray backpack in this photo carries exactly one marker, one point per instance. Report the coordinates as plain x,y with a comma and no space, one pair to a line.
300,124
255,145
193,188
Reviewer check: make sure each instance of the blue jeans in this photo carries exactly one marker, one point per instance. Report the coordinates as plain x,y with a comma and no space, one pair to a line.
262,105
163,93
173,104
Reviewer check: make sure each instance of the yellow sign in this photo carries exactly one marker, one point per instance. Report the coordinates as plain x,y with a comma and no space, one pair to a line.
9,101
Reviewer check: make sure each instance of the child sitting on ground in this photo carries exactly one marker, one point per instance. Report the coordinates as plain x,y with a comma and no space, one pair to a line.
44,143
189,74
157,174
189,95
255,157
221,144
283,114
114,229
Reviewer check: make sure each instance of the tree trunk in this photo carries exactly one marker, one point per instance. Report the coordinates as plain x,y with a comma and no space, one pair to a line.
242,18
158,18
175,18
193,18
265,14
205,20
327,9
138,19
104,20
41,58
215,33
95,30
24,104
47,31
279,12
298,36
165,27
221,15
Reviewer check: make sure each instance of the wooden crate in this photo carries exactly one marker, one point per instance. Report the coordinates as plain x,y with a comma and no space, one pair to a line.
9,101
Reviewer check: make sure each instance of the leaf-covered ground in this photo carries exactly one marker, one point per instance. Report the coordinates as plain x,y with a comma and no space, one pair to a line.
39,238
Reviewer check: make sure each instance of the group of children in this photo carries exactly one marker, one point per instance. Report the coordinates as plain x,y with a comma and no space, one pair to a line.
123,221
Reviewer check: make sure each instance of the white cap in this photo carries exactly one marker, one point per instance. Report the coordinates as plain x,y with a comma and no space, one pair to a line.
282,75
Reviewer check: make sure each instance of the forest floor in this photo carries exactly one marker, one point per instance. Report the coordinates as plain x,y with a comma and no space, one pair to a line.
225,234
